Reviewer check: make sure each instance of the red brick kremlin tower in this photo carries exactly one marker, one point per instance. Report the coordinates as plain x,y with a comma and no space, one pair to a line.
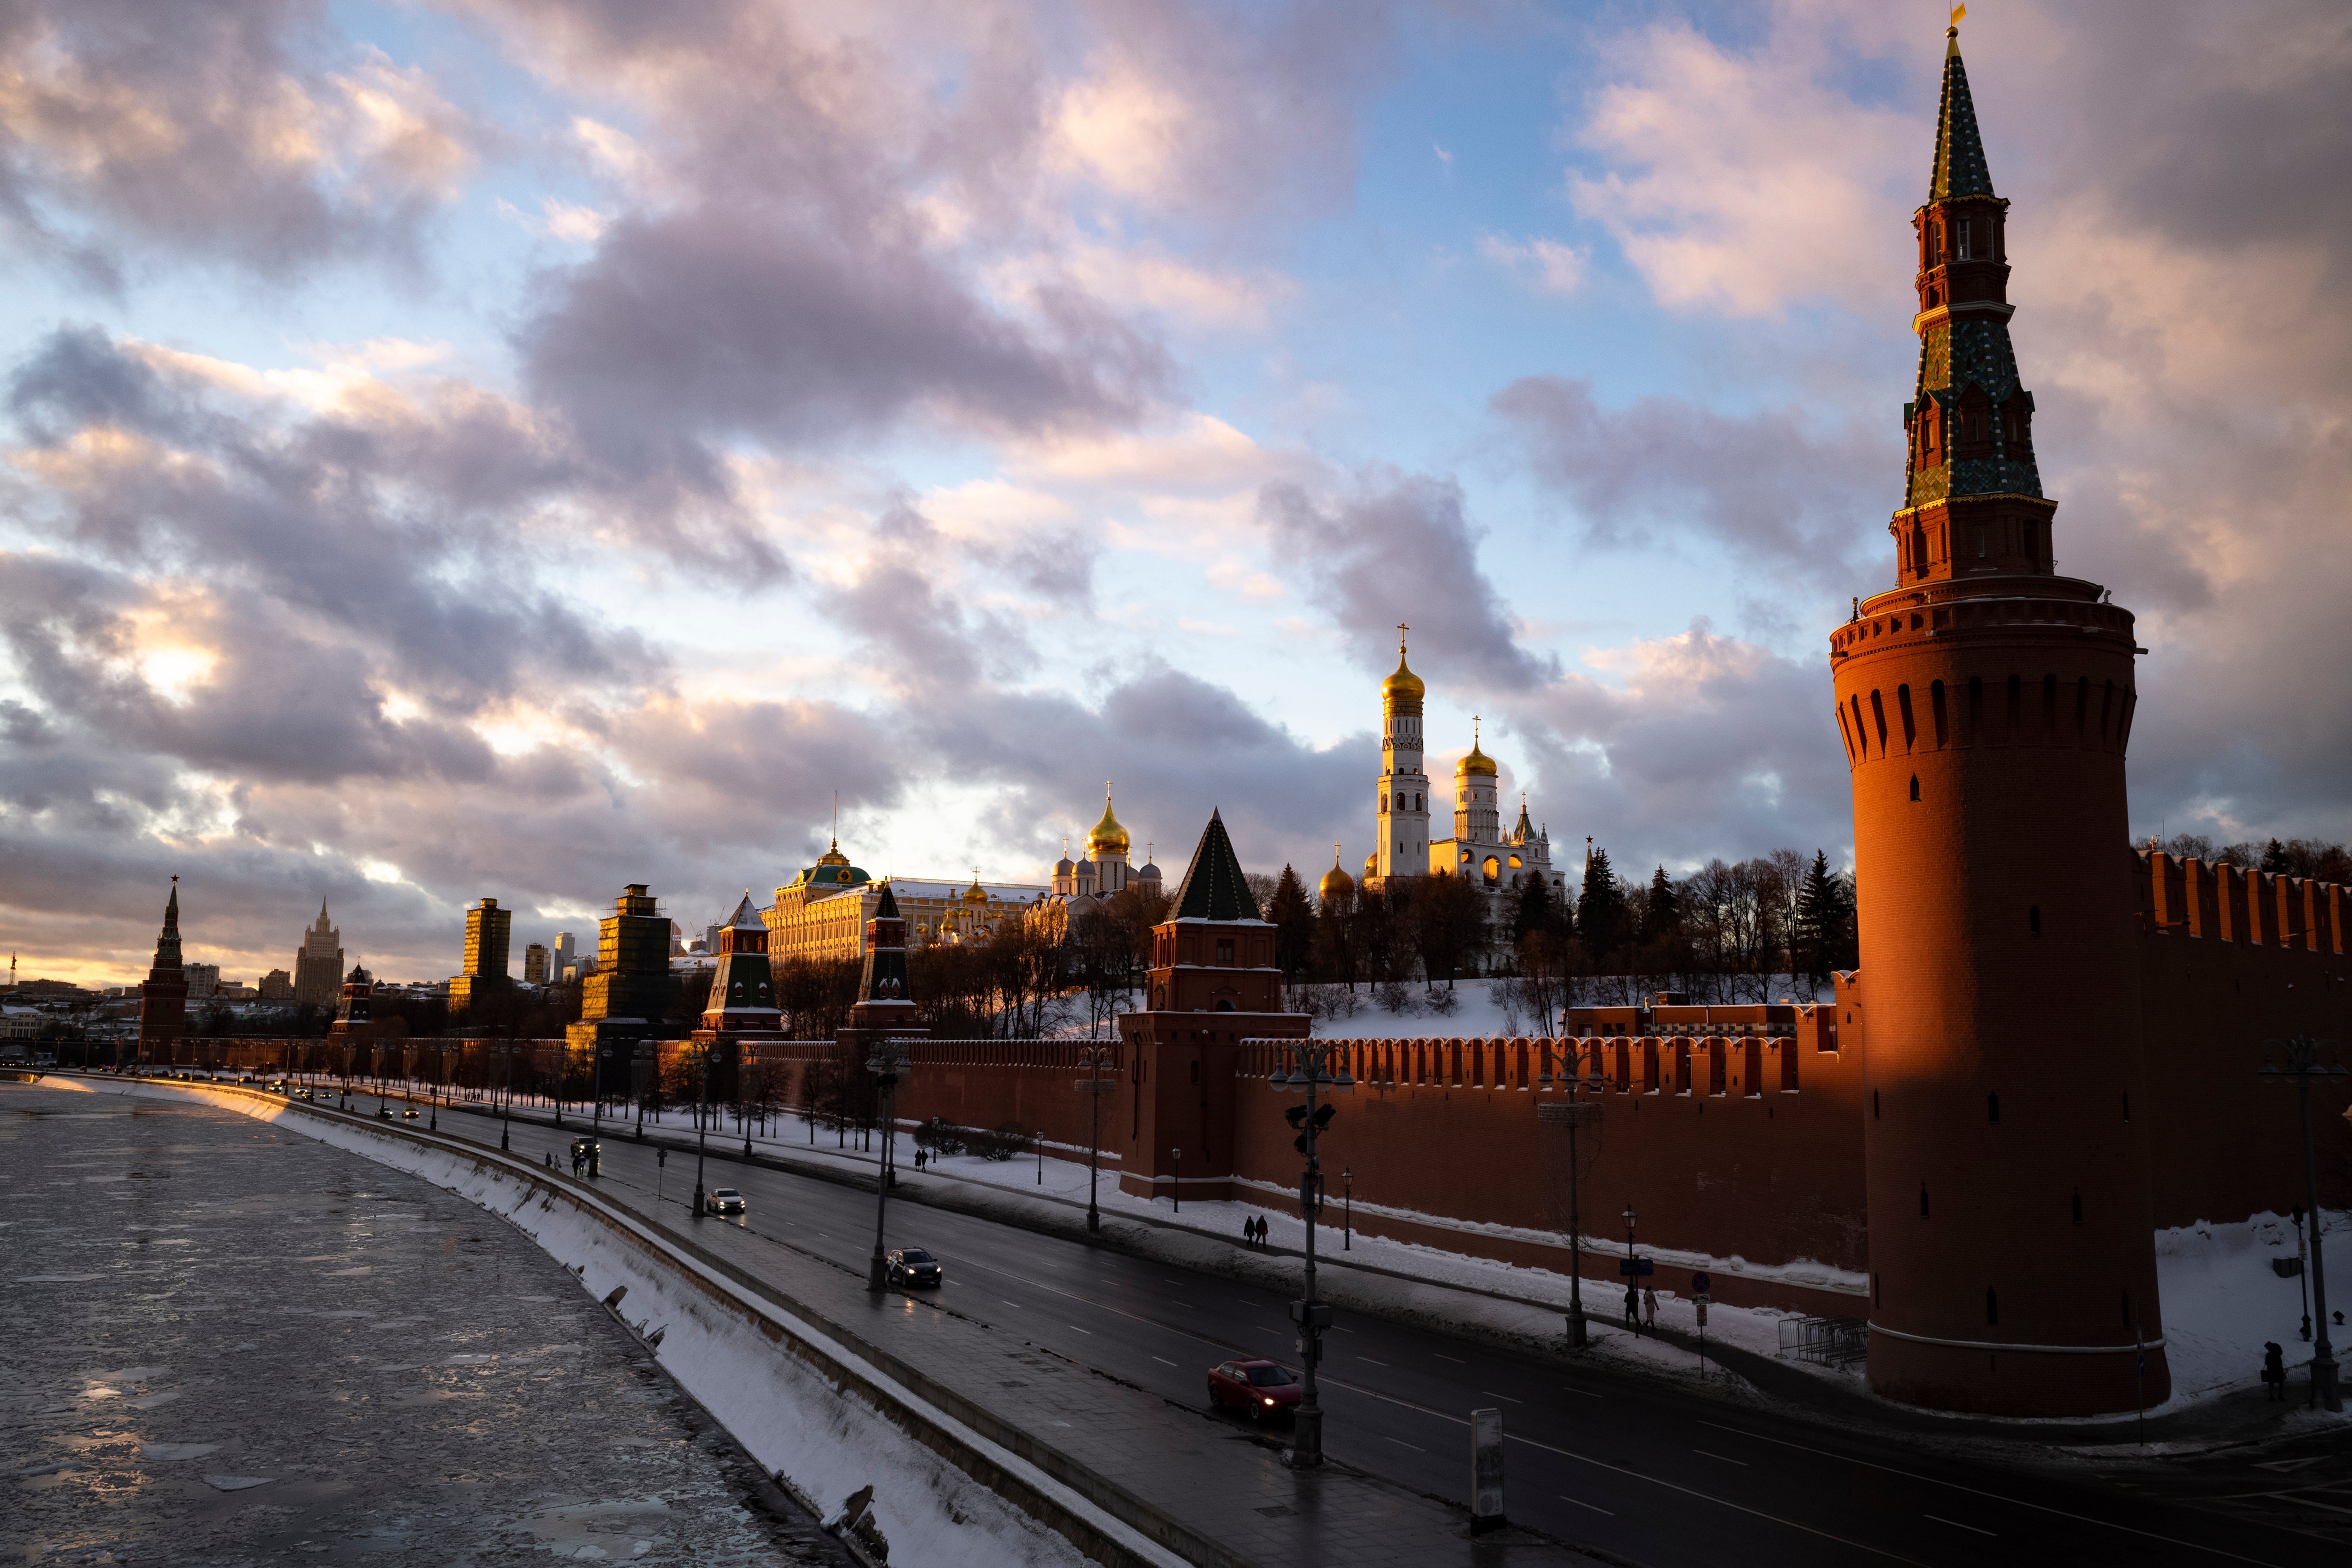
1985,702
163,995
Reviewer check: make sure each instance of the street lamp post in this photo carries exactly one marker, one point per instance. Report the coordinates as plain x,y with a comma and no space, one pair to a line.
2303,1064
1039,1140
1179,1155
1094,1058
1631,1279
701,1120
1573,1113
1346,1209
1318,1064
888,1063
506,1097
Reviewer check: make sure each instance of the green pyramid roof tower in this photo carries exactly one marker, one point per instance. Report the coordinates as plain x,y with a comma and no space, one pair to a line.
1213,887
1959,168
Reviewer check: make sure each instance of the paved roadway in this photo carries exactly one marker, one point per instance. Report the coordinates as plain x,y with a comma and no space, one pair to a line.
1637,1471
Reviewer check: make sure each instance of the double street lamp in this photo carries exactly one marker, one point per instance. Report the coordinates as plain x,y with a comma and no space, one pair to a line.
2303,1065
1573,1113
1318,1065
888,1063
1094,1058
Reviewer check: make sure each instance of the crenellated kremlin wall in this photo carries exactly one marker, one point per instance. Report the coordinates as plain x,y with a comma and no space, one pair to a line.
1734,1133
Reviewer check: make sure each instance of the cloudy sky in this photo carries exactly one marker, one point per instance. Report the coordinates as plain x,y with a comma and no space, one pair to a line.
513,447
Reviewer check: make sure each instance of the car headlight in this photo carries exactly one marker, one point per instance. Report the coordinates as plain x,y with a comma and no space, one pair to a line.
1269,1399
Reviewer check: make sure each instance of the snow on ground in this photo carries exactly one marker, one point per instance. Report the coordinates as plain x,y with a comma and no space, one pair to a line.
1481,1009
2221,1299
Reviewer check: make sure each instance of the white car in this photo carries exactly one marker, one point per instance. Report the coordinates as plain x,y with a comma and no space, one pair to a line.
723,1201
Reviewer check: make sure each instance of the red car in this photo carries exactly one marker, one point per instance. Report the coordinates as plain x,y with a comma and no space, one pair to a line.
1263,1388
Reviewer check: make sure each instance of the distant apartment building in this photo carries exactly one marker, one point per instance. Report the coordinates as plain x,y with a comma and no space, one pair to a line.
534,963
276,986
487,928
203,979
319,964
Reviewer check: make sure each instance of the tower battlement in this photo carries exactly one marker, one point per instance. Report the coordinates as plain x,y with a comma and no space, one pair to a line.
2197,900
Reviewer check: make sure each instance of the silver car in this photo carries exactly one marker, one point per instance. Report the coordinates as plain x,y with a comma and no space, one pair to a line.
723,1201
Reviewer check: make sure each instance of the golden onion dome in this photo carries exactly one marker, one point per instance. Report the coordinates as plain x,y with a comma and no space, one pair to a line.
1336,882
1477,762
1403,687
1108,837
975,894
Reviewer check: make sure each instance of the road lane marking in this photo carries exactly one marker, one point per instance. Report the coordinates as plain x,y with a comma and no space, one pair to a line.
1726,1458
1454,1359
1595,1506
1571,1388
1008,1301
1374,1362
1504,1397
1955,1524
1186,1305
1401,1443
1997,1497
1163,1360
1088,1332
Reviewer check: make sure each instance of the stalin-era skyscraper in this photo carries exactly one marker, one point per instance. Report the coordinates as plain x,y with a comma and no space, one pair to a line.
1985,702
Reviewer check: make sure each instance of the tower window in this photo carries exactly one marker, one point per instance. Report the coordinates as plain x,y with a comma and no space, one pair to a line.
2127,1312
1874,1098
1914,786
1992,1108
2078,1206
1992,1306
1923,1200
2033,920
2126,1105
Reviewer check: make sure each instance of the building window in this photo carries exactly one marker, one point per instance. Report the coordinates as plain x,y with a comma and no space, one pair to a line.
1225,950
1874,1097
2033,920
1923,1200
1914,786
2078,1206
1992,1306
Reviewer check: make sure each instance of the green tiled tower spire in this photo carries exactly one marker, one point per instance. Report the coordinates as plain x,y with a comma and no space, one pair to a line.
1973,494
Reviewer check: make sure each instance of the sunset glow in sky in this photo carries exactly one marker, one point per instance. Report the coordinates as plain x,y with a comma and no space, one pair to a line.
518,448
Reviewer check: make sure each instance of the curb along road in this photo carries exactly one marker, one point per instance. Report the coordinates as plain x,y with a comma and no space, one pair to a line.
992,1451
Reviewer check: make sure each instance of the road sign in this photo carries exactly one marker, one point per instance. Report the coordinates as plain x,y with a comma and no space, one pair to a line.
1702,1299
1486,1470
1700,1283
1636,1266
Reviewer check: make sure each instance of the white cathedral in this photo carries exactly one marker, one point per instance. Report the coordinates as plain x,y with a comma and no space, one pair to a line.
1479,849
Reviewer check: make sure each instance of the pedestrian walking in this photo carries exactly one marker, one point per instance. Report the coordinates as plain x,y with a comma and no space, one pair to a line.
2274,1369
1650,1308
1632,1309
1249,1231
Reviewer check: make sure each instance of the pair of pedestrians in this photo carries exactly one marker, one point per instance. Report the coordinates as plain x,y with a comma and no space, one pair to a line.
1253,1232
1642,1308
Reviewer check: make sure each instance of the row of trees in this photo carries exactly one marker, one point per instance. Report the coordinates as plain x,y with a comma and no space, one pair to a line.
2313,858
1723,931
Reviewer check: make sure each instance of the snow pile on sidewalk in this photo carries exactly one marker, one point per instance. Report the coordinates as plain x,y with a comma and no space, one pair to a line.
822,1441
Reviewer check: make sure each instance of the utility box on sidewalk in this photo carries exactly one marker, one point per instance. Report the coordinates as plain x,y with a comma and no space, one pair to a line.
1487,1472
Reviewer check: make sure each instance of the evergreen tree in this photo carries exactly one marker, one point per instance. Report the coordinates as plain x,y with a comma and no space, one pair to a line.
1817,905
1662,917
1600,908
1534,913
2275,861
1293,919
